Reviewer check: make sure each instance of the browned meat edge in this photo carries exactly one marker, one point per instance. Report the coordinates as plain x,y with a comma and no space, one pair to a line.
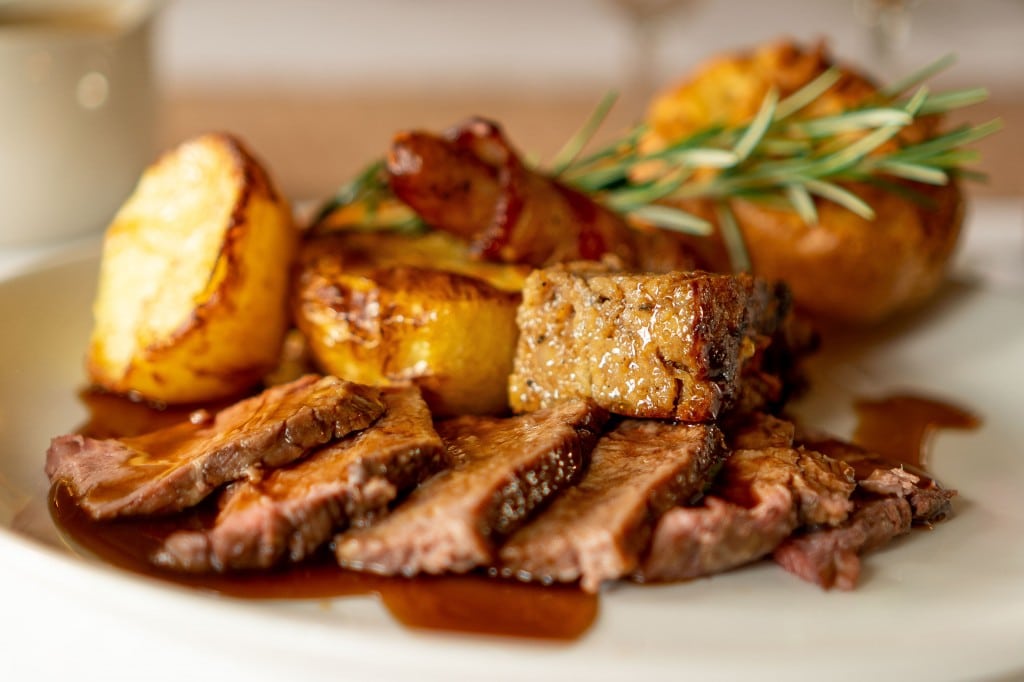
502,470
294,510
596,530
175,468
890,501
763,495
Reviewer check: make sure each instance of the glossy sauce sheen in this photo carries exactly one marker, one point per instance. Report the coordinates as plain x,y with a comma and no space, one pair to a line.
900,427
472,603
897,427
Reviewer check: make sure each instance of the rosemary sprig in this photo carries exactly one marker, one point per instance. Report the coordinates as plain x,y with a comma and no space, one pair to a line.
577,142
784,153
782,157
371,193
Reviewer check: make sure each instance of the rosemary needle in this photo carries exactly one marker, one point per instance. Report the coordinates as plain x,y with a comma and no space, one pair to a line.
785,153
782,155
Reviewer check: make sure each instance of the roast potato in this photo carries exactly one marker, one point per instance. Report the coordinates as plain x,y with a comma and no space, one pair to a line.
843,268
192,299
428,249
385,309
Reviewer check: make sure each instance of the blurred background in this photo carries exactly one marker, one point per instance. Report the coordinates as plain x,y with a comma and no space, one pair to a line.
317,87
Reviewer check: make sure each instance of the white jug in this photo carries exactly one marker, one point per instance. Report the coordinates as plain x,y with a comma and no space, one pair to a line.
77,113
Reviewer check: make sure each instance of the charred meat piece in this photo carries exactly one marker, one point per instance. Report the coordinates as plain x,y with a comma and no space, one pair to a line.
175,468
294,510
760,497
666,346
596,530
502,470
472,183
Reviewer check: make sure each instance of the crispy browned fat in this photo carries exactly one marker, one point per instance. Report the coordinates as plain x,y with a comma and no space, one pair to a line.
667,346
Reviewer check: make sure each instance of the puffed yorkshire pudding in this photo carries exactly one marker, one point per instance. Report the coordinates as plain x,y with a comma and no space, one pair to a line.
843,268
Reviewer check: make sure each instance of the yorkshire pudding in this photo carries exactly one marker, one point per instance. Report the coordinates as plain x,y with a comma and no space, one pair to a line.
845,267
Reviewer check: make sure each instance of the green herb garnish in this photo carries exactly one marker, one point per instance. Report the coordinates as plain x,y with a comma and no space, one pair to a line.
781,156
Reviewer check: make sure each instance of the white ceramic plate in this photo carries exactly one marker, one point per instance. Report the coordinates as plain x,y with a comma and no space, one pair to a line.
947,604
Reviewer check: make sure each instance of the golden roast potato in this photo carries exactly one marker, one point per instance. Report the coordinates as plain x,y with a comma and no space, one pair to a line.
844,267
383,308
192,299
429,250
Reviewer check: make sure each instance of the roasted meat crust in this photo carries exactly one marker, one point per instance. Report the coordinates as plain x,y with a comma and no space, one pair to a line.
687,346
177,467
503,470
595,531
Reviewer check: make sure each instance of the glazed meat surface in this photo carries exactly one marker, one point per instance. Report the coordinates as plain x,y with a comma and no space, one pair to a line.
175,468
471,182
759,498
294,510
666,346
502,471
596,530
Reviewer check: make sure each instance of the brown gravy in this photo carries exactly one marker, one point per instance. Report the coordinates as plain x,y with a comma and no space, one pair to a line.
472,603
897,427
113,416
900,427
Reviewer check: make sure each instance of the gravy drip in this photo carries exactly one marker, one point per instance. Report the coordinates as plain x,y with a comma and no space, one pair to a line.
900,427
897,428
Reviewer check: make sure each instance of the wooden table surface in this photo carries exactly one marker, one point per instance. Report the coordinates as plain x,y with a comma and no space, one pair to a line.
314,141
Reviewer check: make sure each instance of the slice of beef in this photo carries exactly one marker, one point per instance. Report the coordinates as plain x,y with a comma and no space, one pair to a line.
830,557
175,468
596,530
759,498
502,470
294,510
676,345
891,500
930,503
881,475
718,536
757,430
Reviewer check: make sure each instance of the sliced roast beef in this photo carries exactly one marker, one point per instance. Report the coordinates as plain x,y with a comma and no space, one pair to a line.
175,468
596,530
881,475
294,510
891,499
502,470
760,497
757,430
766,489
830,557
